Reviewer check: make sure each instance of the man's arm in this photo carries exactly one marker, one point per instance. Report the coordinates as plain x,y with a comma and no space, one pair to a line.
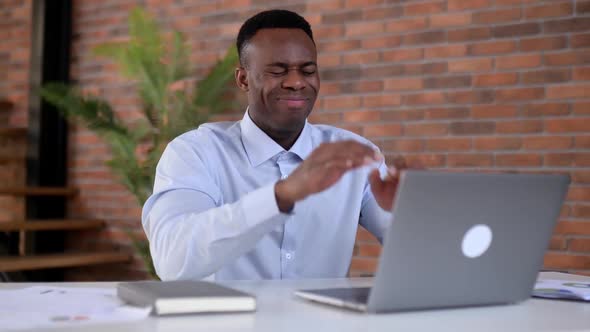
373,217
191,234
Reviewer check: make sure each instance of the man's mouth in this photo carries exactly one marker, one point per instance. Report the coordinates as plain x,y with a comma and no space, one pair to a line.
294,102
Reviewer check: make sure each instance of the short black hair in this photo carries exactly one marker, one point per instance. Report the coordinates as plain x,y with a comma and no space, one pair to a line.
270,19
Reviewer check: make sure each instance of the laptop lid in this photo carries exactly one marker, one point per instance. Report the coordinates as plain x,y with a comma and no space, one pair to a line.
460,239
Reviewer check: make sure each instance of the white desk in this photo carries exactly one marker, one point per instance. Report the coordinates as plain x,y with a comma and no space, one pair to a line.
279,310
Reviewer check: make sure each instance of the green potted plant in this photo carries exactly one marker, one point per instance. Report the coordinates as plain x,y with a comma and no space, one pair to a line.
170,103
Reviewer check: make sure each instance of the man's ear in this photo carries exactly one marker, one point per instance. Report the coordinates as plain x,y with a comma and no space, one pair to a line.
242,78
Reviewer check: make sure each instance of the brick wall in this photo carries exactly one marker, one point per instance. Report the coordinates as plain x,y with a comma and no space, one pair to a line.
462,84
15,33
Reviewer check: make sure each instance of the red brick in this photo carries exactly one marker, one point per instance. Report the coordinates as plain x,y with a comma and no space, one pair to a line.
446,113
548,109
325,118
403,84
369,250
342,102
425,160
362,235
582,142
382,130
470,160
448,144
364,29
578,194
566,261
332,60
543,43
516,30
360,58
495,47
566,125
446,82
470,97
580,177
360,86
519,94
572,24
424,8
450,20
568,91
398,55
580,40
519,127
381,100
567,159
425,129
549,10
518,61
495,79
572,228
497,16
382,13
363,264
568,58
402,115
339,45
546,76
582,7
424,98
408,24
581,73
518,160
472,127
404,145
381,42
471,65
446,51
581,108
557,243
362,116
495,143
579,245
494,111
472,4
460,35
427,37
328,31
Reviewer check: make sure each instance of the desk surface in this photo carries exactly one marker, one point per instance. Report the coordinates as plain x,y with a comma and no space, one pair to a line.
280,310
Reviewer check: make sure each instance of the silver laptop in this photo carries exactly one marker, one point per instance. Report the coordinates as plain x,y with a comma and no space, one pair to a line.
459,239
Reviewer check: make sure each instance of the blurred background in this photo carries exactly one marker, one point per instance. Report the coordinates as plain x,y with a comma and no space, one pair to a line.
484,85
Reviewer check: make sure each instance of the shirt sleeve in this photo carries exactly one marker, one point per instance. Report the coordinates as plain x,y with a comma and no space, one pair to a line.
373,217
191,234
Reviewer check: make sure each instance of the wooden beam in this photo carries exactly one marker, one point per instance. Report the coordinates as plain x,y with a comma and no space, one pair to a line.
38,262
13,131
50,225
39,191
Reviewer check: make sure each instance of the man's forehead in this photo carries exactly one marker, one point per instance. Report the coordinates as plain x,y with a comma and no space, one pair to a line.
282,45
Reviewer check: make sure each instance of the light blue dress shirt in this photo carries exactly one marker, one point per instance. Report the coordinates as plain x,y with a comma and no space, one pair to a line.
213,211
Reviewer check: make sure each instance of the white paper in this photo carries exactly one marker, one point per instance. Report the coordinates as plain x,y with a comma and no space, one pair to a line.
562,289
49,306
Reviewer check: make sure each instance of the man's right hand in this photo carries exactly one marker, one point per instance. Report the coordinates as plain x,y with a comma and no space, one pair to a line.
322,169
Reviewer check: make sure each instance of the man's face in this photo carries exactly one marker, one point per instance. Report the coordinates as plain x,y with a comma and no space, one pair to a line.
281,78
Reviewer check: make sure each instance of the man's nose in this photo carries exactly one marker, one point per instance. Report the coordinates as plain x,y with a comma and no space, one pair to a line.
293,80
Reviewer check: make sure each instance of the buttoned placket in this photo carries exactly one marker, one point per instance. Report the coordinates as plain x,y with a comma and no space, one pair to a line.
286,163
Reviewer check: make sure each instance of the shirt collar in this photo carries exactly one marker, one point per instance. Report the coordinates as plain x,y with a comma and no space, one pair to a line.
260,147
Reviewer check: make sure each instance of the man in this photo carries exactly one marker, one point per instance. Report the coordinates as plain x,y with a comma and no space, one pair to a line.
270,196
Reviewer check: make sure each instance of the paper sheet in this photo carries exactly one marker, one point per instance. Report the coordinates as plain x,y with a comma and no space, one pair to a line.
562,289
49,306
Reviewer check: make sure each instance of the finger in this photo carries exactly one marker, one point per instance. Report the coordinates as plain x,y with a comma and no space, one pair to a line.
375,180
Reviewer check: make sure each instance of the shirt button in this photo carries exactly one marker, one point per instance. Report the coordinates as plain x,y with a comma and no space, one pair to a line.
284,176
288,256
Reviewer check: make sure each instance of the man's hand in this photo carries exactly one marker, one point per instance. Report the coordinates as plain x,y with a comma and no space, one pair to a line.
384,189
323,168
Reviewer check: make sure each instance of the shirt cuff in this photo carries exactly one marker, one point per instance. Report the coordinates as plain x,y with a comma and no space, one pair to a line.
261,205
